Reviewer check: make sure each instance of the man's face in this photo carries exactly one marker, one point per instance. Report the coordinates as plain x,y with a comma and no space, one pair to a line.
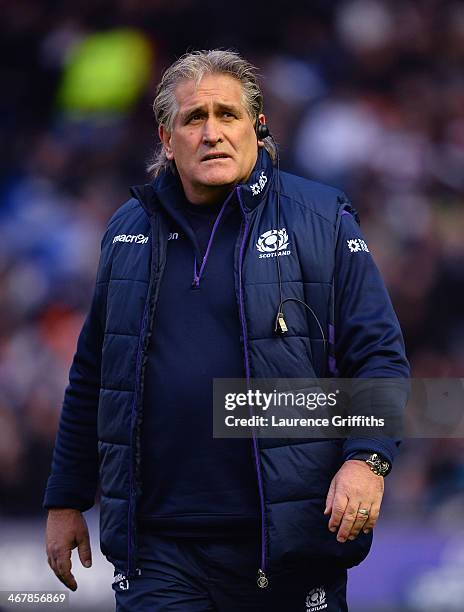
213,140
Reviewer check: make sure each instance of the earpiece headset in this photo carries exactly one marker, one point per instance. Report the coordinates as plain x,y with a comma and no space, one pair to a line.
262,131
280,325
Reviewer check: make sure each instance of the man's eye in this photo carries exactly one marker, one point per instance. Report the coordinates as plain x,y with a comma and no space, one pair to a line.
193,118
228,115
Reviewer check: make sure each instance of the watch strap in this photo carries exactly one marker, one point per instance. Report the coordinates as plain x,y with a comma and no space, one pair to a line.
377,463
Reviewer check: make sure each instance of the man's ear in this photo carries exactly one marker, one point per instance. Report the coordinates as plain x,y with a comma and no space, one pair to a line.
262,120
165,138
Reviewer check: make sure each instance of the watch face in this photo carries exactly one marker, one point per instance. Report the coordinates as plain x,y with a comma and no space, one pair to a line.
379,467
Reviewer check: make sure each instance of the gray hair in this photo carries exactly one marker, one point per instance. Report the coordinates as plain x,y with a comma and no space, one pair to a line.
194,66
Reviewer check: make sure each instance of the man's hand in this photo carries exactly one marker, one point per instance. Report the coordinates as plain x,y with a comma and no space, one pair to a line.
354,490
66,529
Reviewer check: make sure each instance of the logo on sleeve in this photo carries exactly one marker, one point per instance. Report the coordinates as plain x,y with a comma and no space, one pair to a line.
316,600
356,245
273,243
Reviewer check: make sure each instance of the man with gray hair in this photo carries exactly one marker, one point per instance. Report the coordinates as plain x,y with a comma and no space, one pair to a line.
221,267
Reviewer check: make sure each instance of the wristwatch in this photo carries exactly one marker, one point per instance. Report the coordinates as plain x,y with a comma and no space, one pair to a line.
378,464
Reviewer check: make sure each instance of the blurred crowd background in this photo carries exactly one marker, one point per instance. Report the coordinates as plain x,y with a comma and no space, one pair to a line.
367,95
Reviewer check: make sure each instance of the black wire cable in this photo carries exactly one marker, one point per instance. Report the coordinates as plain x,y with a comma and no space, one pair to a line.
280,326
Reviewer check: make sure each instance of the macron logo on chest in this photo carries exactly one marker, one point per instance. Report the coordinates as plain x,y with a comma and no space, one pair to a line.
136,238
140,238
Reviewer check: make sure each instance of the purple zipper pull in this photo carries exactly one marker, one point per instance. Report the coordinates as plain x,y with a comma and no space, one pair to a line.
197,275
196,278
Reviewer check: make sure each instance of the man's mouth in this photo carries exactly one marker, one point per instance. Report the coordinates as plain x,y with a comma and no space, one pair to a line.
211,156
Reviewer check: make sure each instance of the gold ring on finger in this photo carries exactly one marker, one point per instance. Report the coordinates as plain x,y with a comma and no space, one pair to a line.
363,512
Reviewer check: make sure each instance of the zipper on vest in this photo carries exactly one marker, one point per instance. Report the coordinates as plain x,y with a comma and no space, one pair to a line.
197,273
145,330
262,580
132,485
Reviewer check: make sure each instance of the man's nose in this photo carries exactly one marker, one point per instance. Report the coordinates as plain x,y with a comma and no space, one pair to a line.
212,133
